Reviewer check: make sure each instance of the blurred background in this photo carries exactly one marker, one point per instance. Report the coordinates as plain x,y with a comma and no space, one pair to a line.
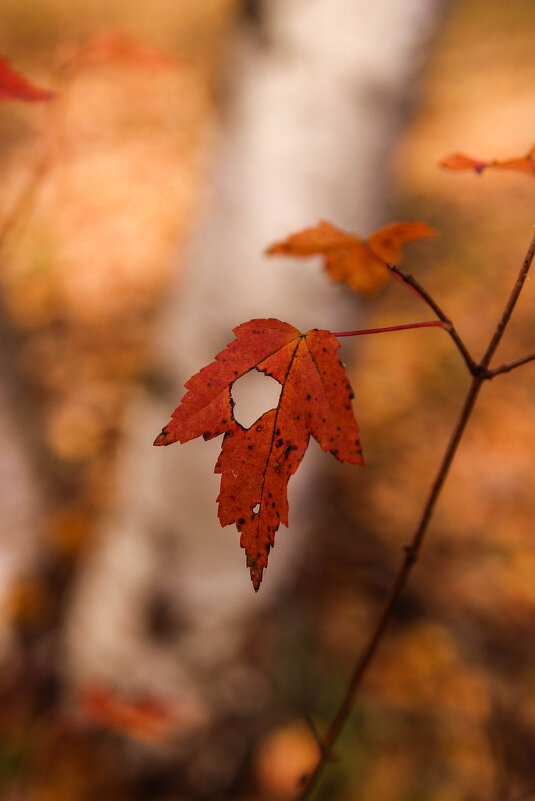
103,191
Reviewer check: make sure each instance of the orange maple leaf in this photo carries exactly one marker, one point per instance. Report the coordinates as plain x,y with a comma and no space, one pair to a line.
459,161
256,463
359,263
14,86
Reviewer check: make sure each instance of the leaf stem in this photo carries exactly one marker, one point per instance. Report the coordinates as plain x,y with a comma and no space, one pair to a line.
412,551
23,203
410,281
404,327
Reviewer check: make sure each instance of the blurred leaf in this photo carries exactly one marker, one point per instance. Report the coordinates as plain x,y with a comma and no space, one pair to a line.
14,86
359,263
459,161
113,46
141,717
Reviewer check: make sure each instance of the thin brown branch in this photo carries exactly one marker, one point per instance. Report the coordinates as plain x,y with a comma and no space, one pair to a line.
25,199
509,306
412,551
408,279
506,368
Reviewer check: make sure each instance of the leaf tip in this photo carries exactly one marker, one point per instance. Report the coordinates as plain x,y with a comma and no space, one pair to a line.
277,249
161,439
256,575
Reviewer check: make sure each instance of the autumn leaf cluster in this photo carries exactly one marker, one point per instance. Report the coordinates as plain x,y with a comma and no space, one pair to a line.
256,463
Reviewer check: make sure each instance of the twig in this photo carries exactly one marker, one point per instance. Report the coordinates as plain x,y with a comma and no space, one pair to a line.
510,305
408,279
506,368
390,328
24,201
412,551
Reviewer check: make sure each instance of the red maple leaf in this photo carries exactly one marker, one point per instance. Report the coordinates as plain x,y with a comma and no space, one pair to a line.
14,86
359,263
459,161
256,463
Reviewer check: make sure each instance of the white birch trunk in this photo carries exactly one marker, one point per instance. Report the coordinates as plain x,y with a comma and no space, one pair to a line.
314,112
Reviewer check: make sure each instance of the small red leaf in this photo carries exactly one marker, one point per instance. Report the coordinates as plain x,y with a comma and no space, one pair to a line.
14,86
359,263
256,463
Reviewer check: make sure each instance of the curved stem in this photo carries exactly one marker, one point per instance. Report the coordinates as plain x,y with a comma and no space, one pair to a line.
412,551
410,281
388,329
25,199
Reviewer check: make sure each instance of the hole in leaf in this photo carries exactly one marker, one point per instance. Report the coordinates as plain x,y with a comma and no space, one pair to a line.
256,508
254,393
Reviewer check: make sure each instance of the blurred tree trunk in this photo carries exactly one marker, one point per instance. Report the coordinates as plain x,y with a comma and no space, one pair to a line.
22,489
316,96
